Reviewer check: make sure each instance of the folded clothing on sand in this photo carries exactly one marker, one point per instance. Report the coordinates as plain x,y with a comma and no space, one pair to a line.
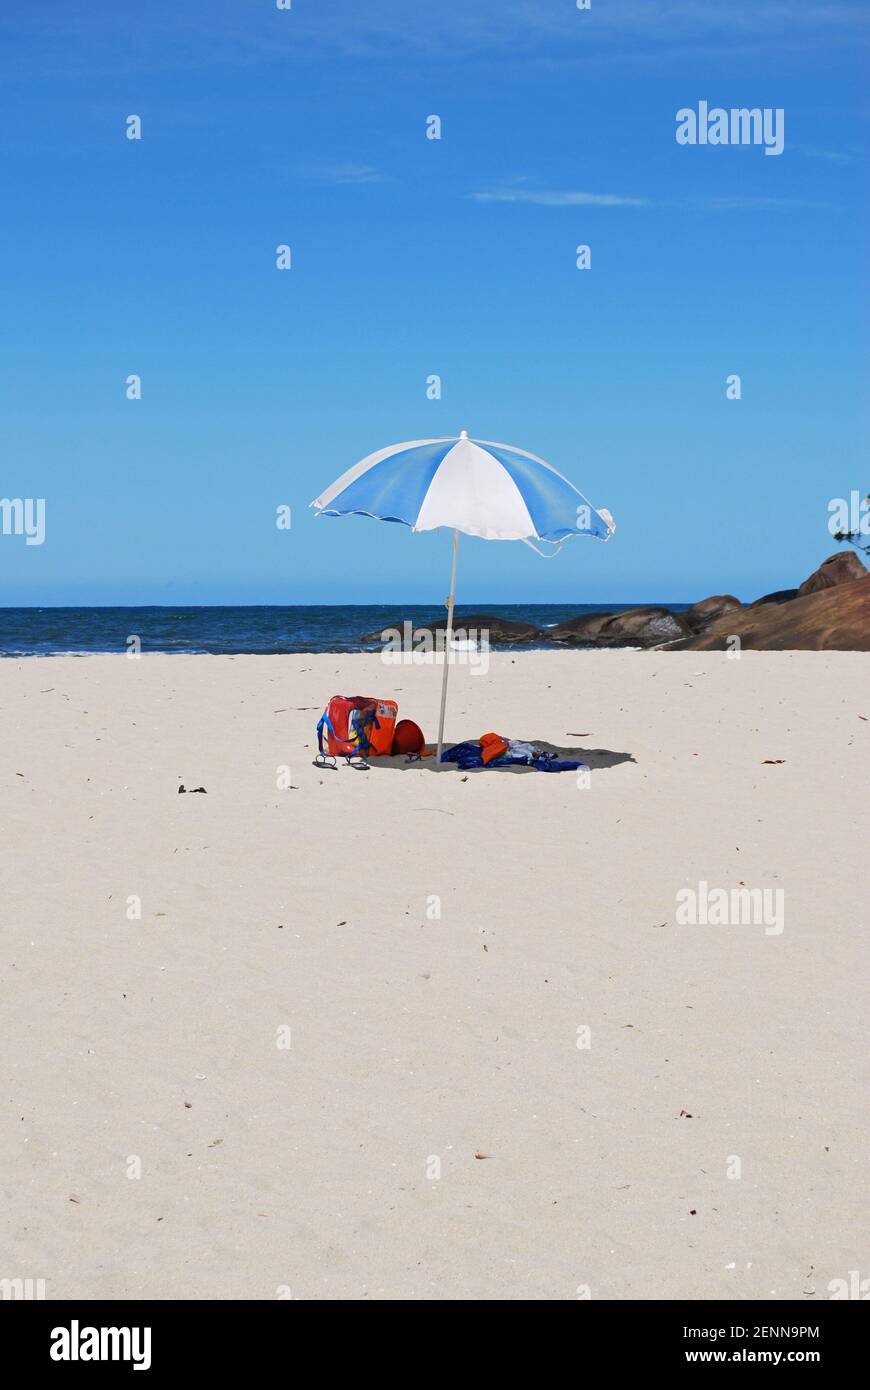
493,750
492,746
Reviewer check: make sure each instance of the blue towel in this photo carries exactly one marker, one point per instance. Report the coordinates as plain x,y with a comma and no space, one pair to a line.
547,763
468,755
465,754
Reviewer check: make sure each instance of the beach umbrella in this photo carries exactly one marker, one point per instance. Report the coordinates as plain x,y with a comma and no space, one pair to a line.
483,489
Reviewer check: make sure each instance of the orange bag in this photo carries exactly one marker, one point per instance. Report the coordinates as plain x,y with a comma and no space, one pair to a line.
381,732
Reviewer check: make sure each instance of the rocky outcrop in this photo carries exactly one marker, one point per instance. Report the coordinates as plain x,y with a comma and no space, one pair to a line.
841,568
637,627
644,627
702,614
500,630
778,596
829,619
579,631
829,612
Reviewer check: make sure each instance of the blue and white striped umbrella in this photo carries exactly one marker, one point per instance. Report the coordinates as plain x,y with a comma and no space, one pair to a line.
470,485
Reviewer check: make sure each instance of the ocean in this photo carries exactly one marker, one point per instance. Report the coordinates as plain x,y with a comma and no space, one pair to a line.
261,630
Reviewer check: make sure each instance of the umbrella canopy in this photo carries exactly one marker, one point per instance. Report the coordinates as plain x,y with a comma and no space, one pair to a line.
470,485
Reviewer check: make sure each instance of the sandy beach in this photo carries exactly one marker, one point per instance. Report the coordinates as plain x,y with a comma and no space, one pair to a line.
511,1073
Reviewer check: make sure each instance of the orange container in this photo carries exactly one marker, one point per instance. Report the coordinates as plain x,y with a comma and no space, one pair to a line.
381,733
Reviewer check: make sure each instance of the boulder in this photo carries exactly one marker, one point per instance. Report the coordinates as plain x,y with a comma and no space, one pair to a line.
582,630
778,596
501,630
707,610
637,627
643,627
841,568
836,618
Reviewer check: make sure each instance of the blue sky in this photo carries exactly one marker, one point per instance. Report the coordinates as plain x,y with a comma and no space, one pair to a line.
413,257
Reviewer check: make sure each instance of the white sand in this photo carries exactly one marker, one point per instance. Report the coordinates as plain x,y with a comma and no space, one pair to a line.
415,1038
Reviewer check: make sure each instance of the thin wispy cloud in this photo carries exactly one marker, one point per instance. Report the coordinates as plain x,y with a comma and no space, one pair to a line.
832,156
344,173
742,202
557,199
513,192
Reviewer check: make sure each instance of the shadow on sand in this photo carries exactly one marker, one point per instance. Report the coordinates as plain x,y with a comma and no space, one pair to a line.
597,759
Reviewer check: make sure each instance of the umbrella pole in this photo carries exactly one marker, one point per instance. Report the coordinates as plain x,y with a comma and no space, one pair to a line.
448,637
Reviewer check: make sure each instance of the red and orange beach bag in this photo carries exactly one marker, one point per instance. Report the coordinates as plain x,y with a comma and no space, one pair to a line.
357,726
